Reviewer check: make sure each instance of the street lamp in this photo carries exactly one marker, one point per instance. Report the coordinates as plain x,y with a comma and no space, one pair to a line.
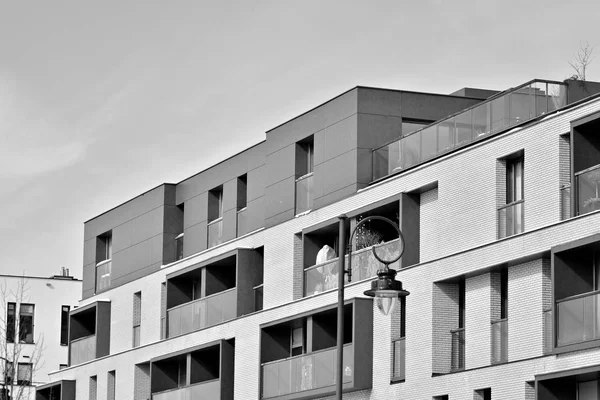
386,289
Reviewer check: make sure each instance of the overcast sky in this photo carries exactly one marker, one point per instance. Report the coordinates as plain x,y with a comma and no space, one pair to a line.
101,101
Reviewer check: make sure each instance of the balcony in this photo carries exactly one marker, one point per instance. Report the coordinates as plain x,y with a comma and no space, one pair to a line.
322,277
60,390
206,390
457,357
304,193
83,350
505,110
399,360
500,341
215,232
202,313
578,318
588,190
305,372
510,219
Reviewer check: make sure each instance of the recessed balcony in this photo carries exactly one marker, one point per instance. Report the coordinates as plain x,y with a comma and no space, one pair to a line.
60,390
89,332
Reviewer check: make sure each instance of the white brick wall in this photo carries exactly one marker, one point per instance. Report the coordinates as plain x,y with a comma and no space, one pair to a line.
477,321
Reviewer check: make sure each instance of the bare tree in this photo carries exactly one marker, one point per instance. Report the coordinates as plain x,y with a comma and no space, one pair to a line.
20,354
583,58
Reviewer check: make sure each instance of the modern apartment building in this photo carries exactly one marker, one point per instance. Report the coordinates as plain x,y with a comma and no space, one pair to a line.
216,287
34,339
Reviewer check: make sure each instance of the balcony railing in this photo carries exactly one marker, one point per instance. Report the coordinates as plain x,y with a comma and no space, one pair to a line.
457,354
215,232
258,297
399,360
103,270
305,372
548,345
83,350
588,190
243,224
565,202
500,341
179,246
304,193
322,277
510,219
205,390
507,109
202,313
578,318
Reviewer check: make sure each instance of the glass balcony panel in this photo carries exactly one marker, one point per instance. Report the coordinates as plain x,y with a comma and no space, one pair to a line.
179,248
464,128
321,277
446,132
199,315
510,220
202,313
398,371
243,223
520,105
481,120
411,150
215,233
325,368
557,96
103,271
457,355
83,350
199,391
500,114
588,190
283,372
541,97
428,142
304,194
500,341
578,319
381,158
136,336
214,311
174,318
270,375
348,364
394,157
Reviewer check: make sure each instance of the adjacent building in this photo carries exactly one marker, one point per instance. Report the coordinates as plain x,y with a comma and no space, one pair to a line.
35,314
222,286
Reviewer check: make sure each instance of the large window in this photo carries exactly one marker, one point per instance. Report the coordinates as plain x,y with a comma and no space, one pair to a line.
64,325
103,261
11,320
24,373
26,312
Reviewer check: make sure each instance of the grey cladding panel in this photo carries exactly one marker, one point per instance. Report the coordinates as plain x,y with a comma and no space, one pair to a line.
89,251
125,212
229,194
256,183
195,210
335,196
432,107
195,239
377,101
335,140
89,280
137,257
279,197
255,215
281,164
377,130
335,174
229,225
279,218
138,229
137,274
312,122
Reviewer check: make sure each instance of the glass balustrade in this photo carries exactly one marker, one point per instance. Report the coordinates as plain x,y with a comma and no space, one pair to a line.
215,232
578,319
243,223
210,390
83,350
305,372
399,352
504,111
510,219
457,351
324,276
500,341
588,190
202,313
304,194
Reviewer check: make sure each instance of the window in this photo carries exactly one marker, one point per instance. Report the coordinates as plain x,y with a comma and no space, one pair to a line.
179,238
24,372
26,323
304,175
62,366
93,387
137,318
64,325
242,191
111,378
483,394
10,322
510,215
103,261
215,216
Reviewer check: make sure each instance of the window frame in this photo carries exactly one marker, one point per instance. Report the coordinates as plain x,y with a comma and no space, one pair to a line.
32,340
25,382
11,326
64,325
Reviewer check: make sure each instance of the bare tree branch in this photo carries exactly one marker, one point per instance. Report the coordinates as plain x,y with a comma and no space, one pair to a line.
583,58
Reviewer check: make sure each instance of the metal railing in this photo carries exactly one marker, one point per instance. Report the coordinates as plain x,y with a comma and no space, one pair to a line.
215,232
304,193
399,359
510,219
548,325
457,352
305,372
202,313
578,318
322,277
506,109
83,350
565,202
588,190
204,390
500,341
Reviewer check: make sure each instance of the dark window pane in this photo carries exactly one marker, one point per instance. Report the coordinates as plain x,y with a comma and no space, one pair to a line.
10,323
26,323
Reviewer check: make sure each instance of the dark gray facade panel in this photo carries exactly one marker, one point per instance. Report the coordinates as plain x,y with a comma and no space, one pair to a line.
137,274
279,218
280,197
335,174
432,107
216,175
255,216
125,212
332,197
335,140
138,229
379,101
195,239
230,194
229,224
89,251
88,280
196,210
377,130
136,257
311,122
257,179
281,164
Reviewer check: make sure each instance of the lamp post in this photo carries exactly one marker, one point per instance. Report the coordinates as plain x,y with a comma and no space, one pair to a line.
386,289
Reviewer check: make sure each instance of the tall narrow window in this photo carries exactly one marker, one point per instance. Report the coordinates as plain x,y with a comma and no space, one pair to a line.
461,303
179,238
11,320
137,318
26,312
64,325
103,261
242,201
215,216
510,215
504,293
24,373
111,383
163,310
304,175
93,387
